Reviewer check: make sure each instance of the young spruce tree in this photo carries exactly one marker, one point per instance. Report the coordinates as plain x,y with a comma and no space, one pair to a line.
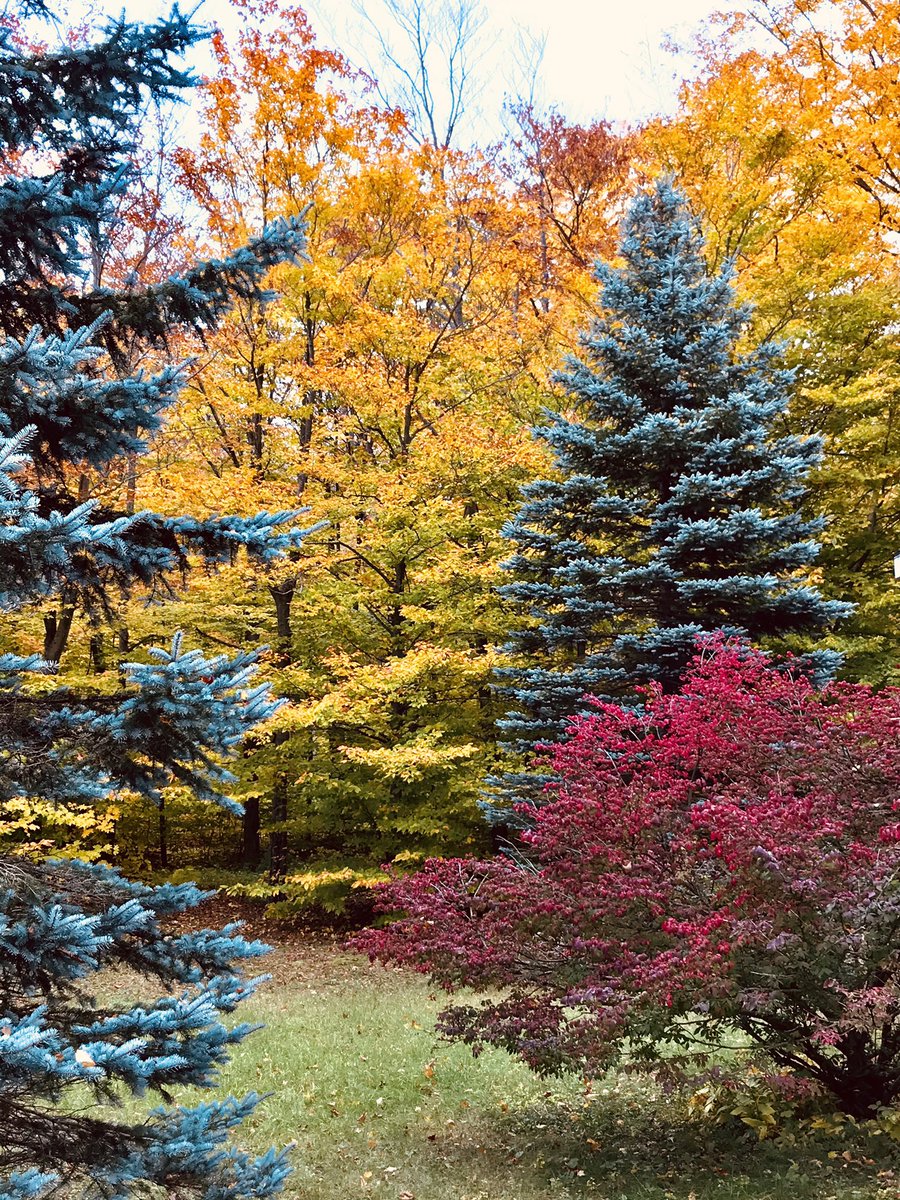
67,119
676,508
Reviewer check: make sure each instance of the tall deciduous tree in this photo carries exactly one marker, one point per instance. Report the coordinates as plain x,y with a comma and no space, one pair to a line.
784,143
392,385
834,61
676,509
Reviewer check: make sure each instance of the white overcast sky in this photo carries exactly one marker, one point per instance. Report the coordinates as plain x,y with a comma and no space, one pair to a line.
603,58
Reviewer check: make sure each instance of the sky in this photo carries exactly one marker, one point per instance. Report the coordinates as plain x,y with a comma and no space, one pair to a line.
602,58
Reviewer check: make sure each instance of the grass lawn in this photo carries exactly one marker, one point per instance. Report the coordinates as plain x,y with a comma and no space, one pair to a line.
377,1106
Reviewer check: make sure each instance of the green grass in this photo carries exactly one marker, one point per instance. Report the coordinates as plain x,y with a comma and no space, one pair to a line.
377,1106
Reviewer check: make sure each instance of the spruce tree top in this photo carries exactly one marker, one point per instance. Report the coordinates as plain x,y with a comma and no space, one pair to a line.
676,510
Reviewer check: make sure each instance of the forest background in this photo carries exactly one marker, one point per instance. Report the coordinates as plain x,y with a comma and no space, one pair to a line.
391,383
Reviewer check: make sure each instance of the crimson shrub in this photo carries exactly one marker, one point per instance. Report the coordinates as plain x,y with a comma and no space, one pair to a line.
724,862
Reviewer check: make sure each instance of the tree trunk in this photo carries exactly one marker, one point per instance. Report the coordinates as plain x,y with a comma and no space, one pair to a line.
163,850
283,595
544,300
304,436
130,483
123,641
278,837
97,653
57,627
860,1085
251,846
256,440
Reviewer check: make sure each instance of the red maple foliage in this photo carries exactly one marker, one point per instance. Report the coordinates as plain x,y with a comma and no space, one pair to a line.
726,859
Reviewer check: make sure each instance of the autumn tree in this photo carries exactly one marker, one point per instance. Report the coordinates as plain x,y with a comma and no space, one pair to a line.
782,143
836,60
573,178
390,388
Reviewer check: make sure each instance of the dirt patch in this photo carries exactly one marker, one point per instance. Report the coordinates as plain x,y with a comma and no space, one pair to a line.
302,954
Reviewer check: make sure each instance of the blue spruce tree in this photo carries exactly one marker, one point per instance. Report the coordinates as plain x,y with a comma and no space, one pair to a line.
676,509
67,123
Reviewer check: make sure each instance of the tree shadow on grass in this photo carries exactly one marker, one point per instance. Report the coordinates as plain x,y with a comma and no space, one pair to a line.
627,1143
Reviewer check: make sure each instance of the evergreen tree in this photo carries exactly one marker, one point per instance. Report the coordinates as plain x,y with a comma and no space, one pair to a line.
67,121
676,510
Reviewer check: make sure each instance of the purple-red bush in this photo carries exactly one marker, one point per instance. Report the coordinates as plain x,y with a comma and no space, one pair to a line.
726,861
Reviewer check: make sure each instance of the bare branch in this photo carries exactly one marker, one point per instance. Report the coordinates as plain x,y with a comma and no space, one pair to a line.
430,50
